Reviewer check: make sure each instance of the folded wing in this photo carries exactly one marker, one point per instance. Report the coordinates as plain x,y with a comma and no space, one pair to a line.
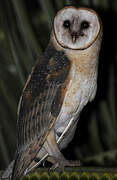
39,107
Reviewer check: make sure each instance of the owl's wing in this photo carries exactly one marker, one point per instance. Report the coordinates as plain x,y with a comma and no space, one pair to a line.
39,107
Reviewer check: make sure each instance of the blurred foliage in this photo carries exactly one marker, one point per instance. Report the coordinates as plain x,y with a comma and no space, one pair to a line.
54,176
27,177
105,177
44,176
25,26
72,176
35,176
84,176
94,176
64,176
114,177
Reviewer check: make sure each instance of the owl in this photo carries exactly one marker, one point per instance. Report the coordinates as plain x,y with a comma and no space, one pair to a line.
61,83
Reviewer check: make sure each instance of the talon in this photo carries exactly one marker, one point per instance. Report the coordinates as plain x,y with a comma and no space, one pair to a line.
50,170
74,163
44,163
61,164
53,168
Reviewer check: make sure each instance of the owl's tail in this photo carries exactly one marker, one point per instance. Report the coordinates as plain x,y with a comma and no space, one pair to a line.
8,172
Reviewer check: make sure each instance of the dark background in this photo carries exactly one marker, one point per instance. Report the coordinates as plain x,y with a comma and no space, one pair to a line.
25,26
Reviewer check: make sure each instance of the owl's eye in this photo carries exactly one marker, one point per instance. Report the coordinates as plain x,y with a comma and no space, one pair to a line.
84,25
66,24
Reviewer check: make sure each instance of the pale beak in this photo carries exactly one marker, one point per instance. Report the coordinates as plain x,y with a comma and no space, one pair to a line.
75,36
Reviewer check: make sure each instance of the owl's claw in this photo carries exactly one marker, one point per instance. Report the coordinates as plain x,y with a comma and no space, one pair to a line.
44,163
72,163
64,163
53,168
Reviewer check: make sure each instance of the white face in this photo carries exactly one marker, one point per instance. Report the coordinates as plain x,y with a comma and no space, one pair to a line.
76,28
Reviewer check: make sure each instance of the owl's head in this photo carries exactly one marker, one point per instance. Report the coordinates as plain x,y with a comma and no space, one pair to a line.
76,28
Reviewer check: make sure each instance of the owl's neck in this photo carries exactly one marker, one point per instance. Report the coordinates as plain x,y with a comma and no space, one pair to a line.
85,61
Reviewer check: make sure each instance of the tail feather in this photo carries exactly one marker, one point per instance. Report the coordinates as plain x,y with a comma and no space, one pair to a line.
8,172
24,158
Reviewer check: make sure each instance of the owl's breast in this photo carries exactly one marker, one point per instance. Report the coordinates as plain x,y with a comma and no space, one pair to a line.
81,89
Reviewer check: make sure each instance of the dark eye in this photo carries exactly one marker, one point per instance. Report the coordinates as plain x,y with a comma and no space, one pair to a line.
84,25
66,24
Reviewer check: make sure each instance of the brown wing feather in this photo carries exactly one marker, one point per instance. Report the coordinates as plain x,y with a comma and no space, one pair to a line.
39,107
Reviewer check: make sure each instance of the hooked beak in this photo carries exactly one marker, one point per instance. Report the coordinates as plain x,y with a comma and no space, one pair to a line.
75,36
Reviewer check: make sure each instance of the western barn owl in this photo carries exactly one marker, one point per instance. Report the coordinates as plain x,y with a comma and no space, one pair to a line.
61,83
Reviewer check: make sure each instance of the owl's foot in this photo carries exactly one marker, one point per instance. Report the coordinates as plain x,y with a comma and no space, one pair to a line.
60,165
56,157
72,163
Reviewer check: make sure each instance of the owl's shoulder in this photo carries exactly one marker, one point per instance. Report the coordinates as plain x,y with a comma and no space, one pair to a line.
52,68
